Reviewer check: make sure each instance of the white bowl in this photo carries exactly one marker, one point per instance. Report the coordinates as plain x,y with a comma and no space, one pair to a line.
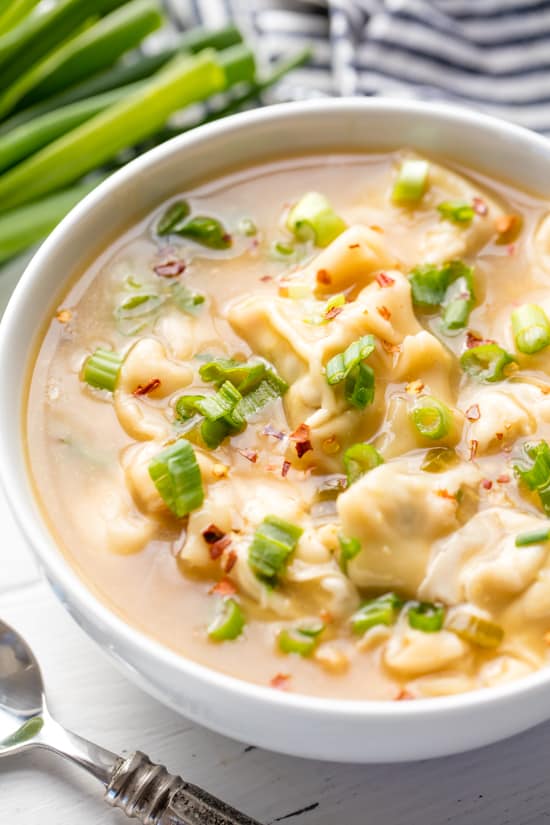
354,731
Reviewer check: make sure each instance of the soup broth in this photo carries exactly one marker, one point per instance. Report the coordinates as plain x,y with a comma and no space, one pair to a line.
293,426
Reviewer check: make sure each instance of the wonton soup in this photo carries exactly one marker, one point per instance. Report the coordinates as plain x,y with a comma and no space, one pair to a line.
295,426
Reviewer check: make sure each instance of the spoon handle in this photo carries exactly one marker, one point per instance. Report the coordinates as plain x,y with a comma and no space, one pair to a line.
151,795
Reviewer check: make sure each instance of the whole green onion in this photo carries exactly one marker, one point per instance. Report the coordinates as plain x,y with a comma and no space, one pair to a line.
486,362
102,368
349,549
313,218
539,536
460,212
380,611
411,182
300,640
339,366
273,542
474,629
14,12
531,328
533,468
228,623
359,459
177,477
431,417
426,616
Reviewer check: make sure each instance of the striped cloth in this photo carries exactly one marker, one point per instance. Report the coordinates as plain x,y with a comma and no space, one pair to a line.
493,55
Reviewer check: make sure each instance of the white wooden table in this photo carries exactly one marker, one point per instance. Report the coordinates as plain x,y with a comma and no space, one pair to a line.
507,784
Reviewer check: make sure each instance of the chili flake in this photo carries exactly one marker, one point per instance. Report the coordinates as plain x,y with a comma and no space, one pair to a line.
389,347
473,413
384,312
474,444
503,478
251,455
480,207
145,389
332,313
170,269
63,316
212,534
499,436
285,468
270,430
280,681
486,483
323,277
403,696
216,549
414,387
223,588
384,280
231,561
300,437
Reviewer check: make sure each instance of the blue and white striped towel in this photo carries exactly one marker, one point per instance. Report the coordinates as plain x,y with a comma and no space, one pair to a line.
493,55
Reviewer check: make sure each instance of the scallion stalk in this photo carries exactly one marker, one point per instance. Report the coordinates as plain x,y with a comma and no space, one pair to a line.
205,231
244,376
460,212
426,616
533,468
349,549
431,417
177,477
15,11
313,218
339,366
102,368
380,611
531,328
538,536
486,362
274,541
411,182
474,629
359,459
359,387
299,640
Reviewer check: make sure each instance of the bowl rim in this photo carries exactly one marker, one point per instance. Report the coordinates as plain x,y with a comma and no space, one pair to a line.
34,527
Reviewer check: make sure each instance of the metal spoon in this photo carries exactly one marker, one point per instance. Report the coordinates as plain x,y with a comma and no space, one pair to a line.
135,785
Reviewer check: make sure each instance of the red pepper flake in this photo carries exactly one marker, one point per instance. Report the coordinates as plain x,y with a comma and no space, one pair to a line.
480,207
332,313
403,696
280,681
473,340
486,483
63,316
216,549
223,588
503,478
153,385
445,494
300,436
390,348
251,455
474,444
326,616
499,436
384,312
323,277
266,278
473,413
354,246
505,223
231,561
226,238
170,269
285,468
270,430
212,534
384,280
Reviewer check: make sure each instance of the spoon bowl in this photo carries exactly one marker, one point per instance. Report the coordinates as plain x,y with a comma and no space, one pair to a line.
21,693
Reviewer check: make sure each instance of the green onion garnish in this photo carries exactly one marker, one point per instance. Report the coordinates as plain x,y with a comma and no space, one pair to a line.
186,299
411,182
457,211
313,218
531,328
450,286
243,376
486,362
273,542
268,390
205,231
228,623
428,285
539,536
359,459
101,369
359,388
177,477
533,468
431,417
349,548
138,305
339,366
247,227
426,616
474,629
382,610
214,432
172,218
439,459
300,640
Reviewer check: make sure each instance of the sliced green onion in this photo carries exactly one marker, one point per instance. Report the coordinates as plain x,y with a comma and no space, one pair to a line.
349,548
486,362
244,376
283,250
186,300
457,211
205,231
426,616
380,611
539,536
273,542
431,417
101,369
411,182
172,217
533,468
313,218
359,459
212,407
459,297
331,487
138,305
214,432
228,623
531,328
177,477
428,285
341,365
268,390
359,389
247,227
439,459
300,640
474,629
